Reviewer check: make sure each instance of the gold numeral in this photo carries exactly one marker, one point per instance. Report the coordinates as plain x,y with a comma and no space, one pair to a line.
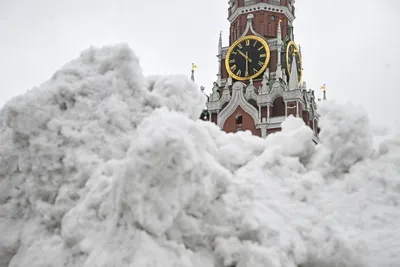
255,42
246,74
234,52
255,71
247,42
260,63
263,55
233,67
260,48
240,46
238,72
232,61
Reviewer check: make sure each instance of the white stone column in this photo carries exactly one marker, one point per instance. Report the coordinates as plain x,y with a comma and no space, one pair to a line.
285,109
264,128
263,133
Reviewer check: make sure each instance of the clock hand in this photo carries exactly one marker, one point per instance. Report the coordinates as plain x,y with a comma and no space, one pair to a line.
240,52
247,63
245,56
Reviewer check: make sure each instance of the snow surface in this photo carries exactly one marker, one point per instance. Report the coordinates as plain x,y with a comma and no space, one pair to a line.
101,166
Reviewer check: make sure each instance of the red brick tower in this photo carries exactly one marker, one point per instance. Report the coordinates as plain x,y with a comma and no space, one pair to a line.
260,73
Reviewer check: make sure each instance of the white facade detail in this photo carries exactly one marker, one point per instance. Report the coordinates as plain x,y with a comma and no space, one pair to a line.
257,97
238,99
240,94
236,11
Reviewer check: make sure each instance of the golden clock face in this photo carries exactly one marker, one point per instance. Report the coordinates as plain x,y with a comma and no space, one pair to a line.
293,49
247,58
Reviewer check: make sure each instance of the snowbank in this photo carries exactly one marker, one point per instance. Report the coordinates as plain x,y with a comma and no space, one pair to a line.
101,166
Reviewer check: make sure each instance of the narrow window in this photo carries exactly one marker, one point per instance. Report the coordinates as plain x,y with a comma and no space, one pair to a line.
239,119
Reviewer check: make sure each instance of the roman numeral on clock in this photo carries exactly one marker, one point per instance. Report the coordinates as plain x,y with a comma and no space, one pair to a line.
260,63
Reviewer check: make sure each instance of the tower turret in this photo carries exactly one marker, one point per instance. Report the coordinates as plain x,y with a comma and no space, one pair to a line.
293,81
279,45
219,80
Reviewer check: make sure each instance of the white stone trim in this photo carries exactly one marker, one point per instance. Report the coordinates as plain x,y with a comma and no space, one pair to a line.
216,105
278,119
251,94
237,100
263,7
249,27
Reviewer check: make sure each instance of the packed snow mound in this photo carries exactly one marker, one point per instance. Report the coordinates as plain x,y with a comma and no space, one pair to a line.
101,166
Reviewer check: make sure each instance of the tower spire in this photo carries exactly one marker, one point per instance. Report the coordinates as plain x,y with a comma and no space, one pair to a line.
293,81
279,49
323,87
220,43
219,80
193,68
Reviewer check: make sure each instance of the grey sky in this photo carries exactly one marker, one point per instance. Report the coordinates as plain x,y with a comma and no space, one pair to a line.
352,46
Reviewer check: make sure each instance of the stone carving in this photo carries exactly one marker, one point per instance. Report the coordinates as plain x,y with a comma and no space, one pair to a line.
215,94
276,90
265,83
284,77
229,82
251,91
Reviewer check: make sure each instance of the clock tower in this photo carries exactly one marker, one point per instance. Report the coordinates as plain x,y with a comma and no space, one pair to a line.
259,81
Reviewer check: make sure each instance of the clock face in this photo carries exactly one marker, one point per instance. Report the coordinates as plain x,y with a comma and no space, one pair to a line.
247,58
292,49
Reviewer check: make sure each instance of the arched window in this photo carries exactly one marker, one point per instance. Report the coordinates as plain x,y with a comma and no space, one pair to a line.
238,121
278,108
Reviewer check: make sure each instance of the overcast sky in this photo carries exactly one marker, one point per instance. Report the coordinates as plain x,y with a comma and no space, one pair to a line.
352,46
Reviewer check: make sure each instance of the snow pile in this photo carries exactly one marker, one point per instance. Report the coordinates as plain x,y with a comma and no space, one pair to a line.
101,166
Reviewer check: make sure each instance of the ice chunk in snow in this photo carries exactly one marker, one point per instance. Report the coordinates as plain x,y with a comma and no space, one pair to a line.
101,166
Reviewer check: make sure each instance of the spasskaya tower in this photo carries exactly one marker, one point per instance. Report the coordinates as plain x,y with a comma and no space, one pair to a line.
259,81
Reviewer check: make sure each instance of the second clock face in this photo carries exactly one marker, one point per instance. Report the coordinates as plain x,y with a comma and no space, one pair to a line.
247,58
293,50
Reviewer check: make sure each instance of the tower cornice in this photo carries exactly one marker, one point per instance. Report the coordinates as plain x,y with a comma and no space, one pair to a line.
261,7
272,43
